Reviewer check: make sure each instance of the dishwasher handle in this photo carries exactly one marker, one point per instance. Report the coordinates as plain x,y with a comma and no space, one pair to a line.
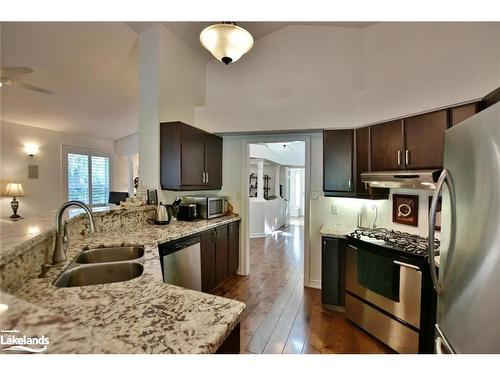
176,245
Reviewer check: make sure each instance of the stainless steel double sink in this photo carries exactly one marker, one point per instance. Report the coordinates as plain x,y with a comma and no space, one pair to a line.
103,265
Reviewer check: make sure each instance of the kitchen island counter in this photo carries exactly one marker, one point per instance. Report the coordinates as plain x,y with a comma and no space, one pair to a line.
142,315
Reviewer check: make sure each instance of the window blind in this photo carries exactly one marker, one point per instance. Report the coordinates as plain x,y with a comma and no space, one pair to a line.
88,178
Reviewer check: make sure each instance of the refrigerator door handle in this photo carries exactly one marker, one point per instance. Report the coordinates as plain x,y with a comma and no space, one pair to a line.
441,345
444,178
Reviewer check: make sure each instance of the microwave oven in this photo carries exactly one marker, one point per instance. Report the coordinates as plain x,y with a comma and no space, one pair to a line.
209,207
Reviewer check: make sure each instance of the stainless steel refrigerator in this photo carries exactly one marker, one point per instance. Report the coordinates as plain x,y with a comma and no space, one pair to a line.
468,285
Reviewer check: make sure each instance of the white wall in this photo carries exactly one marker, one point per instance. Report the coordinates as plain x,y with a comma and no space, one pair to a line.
320,208
312,77
46,192
126,163
172,82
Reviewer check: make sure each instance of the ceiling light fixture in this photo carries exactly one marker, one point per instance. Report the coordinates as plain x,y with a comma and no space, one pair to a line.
226,41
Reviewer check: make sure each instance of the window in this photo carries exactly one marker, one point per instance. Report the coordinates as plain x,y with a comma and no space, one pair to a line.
87,176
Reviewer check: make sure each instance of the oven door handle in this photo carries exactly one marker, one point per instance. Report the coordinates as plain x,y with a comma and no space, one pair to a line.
406,265
444,178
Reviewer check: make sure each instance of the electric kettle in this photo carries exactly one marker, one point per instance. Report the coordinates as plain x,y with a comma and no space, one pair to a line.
162,215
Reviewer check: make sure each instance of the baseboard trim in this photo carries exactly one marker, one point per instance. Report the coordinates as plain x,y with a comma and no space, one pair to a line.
316,284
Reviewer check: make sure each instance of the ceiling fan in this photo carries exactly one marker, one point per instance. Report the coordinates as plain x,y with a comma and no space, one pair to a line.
8,77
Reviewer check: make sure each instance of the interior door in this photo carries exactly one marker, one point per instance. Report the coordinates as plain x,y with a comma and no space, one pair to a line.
192,156
424,139
213,160
387,146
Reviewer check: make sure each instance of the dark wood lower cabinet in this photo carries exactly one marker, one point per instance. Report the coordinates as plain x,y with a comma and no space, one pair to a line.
231,344
333,272
207,248
219,255
233,247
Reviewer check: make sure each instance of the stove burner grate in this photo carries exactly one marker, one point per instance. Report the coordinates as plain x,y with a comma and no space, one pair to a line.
411,243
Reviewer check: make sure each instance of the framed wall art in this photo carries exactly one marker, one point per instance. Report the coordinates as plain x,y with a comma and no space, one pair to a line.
405,209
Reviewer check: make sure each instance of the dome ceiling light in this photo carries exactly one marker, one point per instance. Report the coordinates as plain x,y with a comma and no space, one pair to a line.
226,41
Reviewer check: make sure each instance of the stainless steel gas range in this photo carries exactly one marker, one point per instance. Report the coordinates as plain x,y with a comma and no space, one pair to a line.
389,290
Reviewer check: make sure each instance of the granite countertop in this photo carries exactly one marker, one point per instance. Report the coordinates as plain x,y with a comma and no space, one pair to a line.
17,235
142,315
336,230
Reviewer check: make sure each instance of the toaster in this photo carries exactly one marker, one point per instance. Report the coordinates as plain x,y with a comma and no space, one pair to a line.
187,212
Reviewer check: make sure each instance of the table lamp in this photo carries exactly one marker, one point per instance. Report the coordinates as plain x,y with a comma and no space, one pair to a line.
14,189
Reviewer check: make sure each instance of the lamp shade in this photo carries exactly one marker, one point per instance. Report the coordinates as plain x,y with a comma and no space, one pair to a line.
14,189
226,41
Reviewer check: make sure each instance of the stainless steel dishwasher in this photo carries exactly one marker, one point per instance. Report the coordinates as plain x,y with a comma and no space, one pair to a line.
181,262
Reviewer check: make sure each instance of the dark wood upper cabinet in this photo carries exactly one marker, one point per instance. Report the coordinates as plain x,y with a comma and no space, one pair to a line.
424,140
233,247
213,161
337,160
490,99
463,112
387,146
346,154
190,158
362,157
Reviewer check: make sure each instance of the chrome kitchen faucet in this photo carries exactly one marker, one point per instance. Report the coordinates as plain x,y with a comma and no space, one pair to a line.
61,241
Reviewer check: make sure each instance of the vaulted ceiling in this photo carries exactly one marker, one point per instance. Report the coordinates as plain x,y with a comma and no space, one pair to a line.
91,69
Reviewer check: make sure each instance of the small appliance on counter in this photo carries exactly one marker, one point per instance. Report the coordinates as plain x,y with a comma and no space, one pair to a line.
162,216
187,212
209,207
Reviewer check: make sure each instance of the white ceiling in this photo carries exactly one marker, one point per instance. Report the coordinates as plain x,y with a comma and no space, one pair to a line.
189,32
91,68
285,148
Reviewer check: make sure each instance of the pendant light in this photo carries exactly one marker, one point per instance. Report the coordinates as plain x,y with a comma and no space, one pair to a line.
226,41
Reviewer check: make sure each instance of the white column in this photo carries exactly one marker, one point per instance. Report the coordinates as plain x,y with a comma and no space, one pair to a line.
130,179
260,179
149,107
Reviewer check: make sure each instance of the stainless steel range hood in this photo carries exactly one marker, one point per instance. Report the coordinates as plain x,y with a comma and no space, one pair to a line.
423,179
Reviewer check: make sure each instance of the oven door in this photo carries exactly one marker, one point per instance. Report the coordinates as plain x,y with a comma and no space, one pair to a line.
408,307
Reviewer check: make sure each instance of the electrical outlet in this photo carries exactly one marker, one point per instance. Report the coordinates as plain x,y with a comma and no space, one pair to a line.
335,209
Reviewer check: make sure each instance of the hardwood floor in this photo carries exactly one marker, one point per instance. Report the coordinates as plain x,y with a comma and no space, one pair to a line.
281,315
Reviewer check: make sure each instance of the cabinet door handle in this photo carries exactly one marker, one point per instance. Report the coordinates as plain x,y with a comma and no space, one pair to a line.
349,183
406,265
207,178
399,157
407,157
203,178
